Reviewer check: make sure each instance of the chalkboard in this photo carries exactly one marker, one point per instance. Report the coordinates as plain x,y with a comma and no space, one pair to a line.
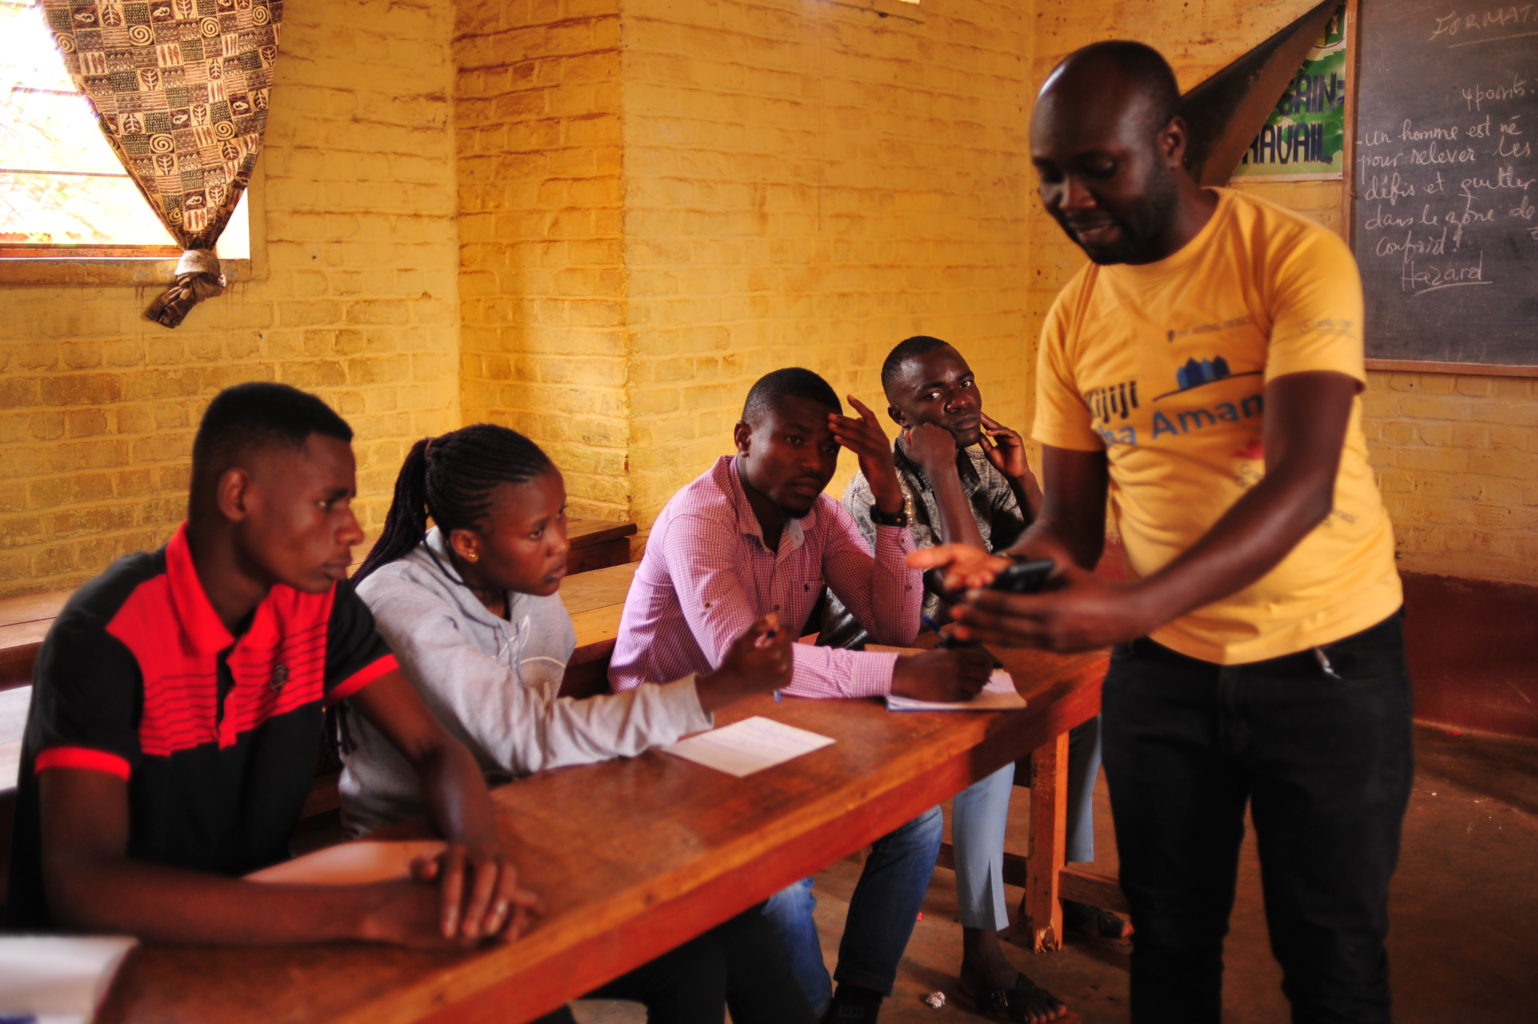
1444,205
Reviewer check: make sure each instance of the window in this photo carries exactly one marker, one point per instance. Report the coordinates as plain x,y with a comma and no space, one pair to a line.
63,193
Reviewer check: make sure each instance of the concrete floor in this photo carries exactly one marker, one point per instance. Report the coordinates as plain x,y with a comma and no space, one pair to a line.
1464,906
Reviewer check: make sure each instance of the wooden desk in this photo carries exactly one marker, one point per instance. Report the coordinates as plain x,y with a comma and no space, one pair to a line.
597,544
633,857
24,621
595,600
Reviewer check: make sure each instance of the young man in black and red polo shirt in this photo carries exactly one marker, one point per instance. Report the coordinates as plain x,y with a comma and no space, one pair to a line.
177,713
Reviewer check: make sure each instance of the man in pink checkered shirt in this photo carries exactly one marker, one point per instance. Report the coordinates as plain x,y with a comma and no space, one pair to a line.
754,535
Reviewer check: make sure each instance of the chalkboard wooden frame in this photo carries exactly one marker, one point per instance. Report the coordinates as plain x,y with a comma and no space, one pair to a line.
1349,200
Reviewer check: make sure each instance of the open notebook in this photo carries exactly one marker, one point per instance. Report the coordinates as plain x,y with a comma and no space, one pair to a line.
998,695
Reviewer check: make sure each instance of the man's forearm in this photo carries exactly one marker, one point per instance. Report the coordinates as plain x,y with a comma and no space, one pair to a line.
1306,415
1081,546
897,591
1027,495
1246,542
165,904
957,524
455,794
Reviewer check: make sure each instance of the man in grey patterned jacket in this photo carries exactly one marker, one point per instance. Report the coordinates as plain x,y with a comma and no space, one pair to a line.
965,478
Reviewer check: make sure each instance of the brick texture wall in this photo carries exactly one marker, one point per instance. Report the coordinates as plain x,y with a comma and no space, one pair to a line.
806,184
612,220
358,302
545,338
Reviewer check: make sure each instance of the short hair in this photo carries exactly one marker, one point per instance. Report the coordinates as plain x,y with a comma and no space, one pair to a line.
791,382
908,348
257,416
1133,64
451,478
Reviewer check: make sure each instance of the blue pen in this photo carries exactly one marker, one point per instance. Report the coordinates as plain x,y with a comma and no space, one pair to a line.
929,624
770,636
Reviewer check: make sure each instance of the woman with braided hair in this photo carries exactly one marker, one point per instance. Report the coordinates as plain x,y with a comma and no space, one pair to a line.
471,608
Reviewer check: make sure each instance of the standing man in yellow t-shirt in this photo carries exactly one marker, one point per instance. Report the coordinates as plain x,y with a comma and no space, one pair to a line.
1204,373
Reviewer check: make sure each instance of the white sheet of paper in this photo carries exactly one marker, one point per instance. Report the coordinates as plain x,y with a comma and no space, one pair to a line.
356,863
998,695
58,978
744,747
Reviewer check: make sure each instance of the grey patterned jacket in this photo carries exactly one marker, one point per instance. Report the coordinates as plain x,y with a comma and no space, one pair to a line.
999,517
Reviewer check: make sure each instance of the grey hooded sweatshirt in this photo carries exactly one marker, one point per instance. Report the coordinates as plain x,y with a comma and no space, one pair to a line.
492,682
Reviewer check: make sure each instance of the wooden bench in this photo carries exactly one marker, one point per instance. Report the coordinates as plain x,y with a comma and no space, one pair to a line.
24,621
597,544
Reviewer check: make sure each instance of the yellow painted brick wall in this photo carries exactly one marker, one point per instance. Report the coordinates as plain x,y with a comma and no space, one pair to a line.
806,184
633,211
1456,454
538,137
358,303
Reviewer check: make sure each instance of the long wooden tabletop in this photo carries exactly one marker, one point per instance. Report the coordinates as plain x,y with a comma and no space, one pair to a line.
633,857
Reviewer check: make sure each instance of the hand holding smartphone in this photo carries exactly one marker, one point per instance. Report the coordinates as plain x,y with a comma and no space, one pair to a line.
1024,577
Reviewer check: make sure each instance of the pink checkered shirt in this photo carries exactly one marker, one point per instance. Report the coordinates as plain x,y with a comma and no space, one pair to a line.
707,575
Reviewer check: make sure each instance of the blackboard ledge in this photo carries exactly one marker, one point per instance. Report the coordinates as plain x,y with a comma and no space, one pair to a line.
1472,369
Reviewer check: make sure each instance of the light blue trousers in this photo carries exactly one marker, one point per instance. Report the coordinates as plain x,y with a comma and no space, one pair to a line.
978,816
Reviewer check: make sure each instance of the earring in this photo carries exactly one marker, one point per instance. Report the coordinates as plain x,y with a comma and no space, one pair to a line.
472,557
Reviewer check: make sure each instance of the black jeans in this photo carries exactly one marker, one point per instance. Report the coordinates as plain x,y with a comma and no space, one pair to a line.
1319,744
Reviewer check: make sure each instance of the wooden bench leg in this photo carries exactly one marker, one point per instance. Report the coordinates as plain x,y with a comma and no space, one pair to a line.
1040,910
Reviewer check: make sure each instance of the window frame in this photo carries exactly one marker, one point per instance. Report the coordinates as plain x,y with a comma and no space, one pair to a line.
150,264
156,267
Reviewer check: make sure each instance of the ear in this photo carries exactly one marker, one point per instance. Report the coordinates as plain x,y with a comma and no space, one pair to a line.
1172,141
741,434
466,544
897,416
233,493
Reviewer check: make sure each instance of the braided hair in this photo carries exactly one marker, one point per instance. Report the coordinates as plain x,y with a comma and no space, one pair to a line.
450,478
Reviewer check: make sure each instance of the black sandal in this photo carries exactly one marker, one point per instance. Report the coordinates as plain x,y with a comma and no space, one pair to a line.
1093,923
1014,1005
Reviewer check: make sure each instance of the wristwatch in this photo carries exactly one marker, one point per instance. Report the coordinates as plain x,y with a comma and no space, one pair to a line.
881,518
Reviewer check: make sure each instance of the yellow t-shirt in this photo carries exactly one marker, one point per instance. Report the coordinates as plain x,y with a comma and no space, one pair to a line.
1164,365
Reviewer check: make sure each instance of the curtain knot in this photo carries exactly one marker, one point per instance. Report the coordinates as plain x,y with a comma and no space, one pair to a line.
198,277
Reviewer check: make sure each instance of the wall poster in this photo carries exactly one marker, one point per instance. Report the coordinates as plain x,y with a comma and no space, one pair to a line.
1303,139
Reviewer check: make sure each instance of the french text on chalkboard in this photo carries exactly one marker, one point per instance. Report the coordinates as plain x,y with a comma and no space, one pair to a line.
1445,213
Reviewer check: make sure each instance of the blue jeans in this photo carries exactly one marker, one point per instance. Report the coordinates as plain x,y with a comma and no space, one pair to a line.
1319,745
882,911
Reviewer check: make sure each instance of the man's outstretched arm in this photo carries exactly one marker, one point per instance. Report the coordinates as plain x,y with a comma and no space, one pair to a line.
1304,431
93,885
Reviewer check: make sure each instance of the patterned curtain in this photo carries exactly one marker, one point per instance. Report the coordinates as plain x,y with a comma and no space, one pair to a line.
180,89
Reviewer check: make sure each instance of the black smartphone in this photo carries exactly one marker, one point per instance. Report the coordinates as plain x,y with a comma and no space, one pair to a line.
1024,577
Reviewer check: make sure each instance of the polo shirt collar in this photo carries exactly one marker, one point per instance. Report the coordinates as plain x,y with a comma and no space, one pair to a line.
200,623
